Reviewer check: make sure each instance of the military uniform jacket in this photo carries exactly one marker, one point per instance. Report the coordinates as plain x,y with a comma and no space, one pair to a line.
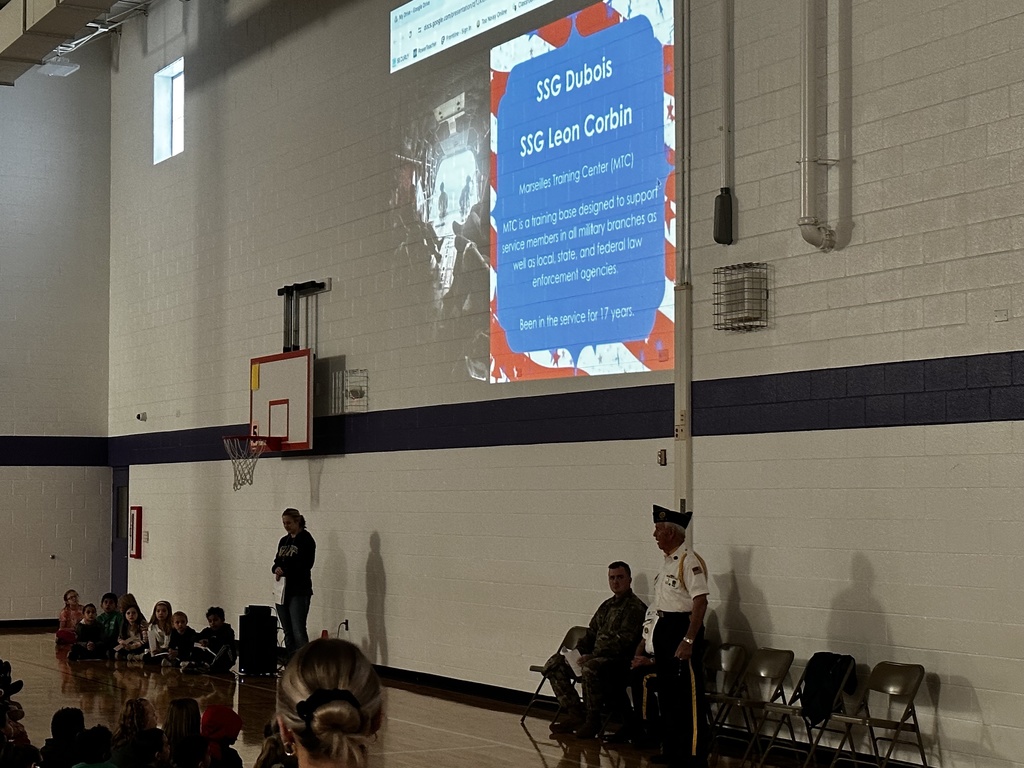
615,628
683,577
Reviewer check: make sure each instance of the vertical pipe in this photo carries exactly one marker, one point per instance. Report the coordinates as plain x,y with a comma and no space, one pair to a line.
295,322
287,341
726,74
814,231
683,464
723,226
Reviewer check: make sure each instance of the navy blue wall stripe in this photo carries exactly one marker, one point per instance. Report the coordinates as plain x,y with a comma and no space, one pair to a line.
944,391
172,447
42,451
976,388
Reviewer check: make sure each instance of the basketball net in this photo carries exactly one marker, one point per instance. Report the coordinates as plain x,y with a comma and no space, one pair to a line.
245,451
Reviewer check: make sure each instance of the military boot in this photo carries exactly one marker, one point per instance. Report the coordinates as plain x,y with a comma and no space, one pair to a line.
572,721
590,729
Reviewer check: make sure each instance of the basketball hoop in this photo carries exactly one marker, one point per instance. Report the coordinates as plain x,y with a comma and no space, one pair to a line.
245,451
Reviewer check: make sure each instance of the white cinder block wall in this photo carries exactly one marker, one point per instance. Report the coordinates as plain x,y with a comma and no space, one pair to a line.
482,555
54,246
899,543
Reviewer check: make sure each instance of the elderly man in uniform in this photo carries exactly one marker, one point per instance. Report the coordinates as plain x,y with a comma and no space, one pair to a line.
605,653
681,600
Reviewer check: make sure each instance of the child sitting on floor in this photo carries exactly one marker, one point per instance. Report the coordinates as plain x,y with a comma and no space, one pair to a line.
133,637
89,634
160,628
215,645
220,726
59,750
110,619
183,638
69,618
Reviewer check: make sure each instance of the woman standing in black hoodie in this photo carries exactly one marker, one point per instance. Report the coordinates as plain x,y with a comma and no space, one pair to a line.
296,553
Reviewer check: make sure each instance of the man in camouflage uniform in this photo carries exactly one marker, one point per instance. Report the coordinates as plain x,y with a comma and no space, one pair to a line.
605,654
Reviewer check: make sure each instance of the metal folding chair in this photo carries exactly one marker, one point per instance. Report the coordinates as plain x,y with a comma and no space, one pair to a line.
762,682
808,690
893,686
723,673
569,642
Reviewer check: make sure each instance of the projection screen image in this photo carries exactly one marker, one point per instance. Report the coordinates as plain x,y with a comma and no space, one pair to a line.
582,252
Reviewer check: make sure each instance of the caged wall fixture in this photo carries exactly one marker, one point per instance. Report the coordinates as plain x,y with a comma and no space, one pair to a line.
741,297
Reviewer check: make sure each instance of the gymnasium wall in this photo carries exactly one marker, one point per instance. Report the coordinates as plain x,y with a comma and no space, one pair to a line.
54,246
464,563
899,542
847,521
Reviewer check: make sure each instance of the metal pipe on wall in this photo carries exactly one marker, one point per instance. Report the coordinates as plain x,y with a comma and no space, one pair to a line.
723,223
683,447
814,231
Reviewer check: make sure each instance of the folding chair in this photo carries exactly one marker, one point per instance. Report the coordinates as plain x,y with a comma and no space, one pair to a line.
569,642
891,683
826,676
763,682
723,673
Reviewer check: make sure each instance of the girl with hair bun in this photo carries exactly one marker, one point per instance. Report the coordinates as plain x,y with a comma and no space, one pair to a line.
329,705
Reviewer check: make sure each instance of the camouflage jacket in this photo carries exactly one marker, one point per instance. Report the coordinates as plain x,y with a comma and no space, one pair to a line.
615,628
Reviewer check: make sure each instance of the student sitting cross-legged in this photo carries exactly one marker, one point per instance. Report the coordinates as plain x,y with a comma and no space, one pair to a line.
215,645
90,643
183,638
133,637
160,628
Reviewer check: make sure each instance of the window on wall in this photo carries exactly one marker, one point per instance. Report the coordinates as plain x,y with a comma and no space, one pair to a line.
169,111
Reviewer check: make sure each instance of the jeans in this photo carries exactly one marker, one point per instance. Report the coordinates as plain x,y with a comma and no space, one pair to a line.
293,621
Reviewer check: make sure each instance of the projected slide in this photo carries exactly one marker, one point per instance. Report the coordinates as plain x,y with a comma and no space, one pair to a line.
421,28
582,253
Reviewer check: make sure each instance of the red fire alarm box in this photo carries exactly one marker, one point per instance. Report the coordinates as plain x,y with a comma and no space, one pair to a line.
135,532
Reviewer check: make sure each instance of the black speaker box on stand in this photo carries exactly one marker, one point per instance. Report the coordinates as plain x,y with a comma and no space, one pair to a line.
257,641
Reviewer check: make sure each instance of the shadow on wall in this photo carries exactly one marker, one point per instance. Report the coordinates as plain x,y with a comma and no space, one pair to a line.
224,44
961,703
857,624
376,644
332,570
641,588
316,471
731,622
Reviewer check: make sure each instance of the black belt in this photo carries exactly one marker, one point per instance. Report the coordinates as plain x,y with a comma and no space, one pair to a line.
673,613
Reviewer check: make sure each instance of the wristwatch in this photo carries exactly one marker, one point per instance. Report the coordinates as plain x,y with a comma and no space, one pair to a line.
687,640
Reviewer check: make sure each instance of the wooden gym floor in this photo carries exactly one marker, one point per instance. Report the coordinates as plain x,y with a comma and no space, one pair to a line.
424,728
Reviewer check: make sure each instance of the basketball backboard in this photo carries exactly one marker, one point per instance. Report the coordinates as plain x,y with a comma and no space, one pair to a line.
281,398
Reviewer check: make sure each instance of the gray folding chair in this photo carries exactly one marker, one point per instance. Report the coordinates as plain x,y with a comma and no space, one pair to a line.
811,691
763,682
723,673
569,642
891,689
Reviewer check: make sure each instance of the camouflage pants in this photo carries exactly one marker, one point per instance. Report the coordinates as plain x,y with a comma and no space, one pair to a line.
601,682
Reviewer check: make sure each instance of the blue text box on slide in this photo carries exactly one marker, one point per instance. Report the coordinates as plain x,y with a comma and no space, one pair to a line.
580,214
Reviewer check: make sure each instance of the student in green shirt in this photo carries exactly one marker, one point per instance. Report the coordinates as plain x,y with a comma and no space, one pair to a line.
110,619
